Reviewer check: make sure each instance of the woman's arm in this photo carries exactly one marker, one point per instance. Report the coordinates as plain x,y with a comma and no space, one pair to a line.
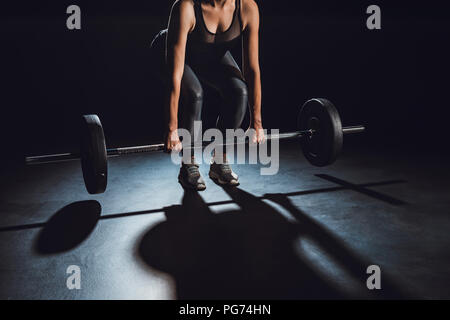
181,22
251,67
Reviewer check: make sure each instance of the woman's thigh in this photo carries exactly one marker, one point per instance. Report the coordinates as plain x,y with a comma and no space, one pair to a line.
225,77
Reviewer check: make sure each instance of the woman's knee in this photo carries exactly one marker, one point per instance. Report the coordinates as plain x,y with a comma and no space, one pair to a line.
234,109
239,97
192,94
191,107
239,89
195,95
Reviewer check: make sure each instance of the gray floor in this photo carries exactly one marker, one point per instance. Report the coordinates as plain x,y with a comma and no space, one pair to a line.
304,233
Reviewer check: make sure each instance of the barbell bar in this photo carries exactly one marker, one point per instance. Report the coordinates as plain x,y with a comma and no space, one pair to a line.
114,152
320,134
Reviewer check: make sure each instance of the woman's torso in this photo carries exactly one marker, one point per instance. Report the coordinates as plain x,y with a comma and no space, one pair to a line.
203,46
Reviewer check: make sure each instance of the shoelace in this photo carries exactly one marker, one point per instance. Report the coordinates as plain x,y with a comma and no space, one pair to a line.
225,168
192,169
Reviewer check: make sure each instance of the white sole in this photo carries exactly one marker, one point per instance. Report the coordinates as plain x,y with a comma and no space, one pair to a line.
190,187
217,179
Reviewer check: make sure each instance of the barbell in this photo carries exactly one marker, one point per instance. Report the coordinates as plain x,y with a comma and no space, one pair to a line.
320,133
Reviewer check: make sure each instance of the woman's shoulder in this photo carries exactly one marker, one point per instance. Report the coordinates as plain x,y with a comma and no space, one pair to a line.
183,9
249,6
184,5
249,11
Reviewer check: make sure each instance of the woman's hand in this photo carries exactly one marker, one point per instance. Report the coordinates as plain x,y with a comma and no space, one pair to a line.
258,136
172,141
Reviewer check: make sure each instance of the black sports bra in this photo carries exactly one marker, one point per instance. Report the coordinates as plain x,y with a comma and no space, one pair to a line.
203,46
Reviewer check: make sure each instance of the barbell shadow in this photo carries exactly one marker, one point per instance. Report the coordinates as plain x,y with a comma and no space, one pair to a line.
244,253
363,189
68,227
217,203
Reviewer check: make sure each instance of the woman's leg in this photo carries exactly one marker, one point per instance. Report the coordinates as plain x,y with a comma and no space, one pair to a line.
190,109
234,93
191,97
191,101
227,78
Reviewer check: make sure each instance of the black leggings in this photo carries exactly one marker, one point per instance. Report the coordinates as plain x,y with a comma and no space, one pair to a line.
225,77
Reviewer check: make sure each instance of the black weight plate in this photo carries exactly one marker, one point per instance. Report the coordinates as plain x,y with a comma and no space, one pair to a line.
93,154
325,145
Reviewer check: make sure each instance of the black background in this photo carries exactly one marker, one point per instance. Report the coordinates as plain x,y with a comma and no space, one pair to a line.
393,80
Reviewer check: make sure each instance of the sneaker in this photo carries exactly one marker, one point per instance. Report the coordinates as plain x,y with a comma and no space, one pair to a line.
190,177
222,174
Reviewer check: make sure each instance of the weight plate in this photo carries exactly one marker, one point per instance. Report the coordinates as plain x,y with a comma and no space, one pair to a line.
325,144
93,154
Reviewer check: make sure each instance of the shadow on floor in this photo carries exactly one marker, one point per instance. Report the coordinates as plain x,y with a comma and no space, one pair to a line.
347,186
69,227
247,253
363,190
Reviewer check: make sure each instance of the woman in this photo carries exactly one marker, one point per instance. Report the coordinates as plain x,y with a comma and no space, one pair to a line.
197,54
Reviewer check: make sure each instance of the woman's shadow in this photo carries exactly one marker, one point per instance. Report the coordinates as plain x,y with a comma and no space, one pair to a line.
243,254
